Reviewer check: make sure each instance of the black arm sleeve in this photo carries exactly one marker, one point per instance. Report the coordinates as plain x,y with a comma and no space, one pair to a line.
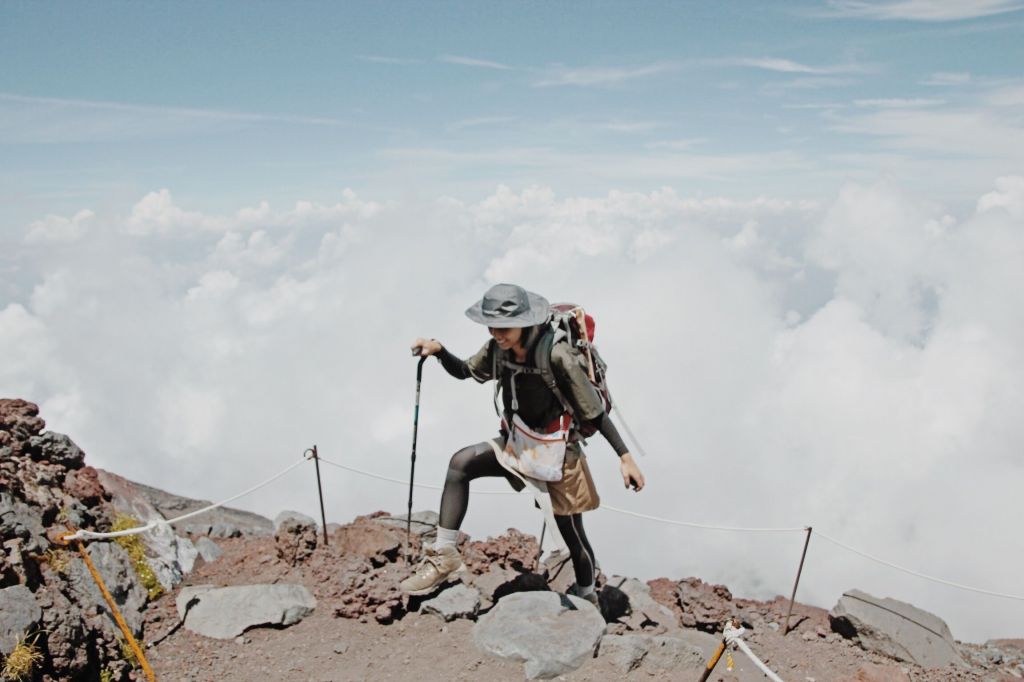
455,366
611,434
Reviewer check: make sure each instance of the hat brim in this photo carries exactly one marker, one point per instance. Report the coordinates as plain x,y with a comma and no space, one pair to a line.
537,314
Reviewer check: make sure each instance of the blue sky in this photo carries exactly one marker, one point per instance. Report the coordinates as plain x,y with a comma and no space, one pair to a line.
232,102
222,225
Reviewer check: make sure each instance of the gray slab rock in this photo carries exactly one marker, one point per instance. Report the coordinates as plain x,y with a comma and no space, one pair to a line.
227,612
554,634
458,601
208,549
644,610
650,652
19,614
895,629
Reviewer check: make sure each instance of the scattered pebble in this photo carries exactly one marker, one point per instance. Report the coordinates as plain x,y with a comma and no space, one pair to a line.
340,648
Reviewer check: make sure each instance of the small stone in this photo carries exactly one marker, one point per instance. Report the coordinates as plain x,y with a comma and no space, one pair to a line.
774,627
340,648
239,640
809,636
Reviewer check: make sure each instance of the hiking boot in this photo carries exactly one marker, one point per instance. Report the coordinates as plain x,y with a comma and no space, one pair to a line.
434,569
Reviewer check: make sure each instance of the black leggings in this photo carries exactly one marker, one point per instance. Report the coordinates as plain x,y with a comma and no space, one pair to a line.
478,461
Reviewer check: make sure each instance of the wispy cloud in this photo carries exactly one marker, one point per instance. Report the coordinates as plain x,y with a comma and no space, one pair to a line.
946,78
896,103
630,126
379,59
808,83
472,61
789,66
599,75
922,10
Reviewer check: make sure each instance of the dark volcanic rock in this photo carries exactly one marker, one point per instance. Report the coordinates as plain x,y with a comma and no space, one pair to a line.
56,448
19,421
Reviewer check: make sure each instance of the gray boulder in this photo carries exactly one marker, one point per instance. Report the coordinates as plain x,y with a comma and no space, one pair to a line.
208,549
644,611
227,612
19,614
650,652
458,601
895,629
554,634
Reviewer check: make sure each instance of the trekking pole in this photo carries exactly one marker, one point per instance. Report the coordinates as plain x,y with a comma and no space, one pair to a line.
415,428
799,570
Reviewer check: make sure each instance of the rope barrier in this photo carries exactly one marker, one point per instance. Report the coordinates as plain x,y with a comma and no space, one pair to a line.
914,573
733,637
703,526
91,535
401,482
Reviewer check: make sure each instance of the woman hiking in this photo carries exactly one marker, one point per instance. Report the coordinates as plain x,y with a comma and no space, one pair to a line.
539,423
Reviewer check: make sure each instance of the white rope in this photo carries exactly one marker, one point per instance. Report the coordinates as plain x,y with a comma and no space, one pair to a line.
705,526
912,572
733,636
83,534
417,485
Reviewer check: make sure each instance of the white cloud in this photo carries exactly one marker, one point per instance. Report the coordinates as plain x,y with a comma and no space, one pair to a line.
946,78
897,103
864,354
599,75
54,228
923,10
379,59
789,66
472,61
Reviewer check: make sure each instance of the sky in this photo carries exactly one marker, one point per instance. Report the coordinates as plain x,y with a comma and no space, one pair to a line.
800,226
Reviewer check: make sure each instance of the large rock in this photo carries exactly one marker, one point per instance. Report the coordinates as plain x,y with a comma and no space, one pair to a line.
208,549
458,601
171,557
644,611
895,629
295,537
368,538
554,634
19,613
649,652
56,448
115,567
227,612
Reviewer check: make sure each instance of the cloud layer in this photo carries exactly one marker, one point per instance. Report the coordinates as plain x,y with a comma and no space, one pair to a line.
854,366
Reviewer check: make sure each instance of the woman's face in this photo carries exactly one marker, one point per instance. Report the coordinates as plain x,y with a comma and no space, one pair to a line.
506,338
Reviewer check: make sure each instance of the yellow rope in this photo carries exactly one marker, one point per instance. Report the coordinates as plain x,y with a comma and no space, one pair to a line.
139,656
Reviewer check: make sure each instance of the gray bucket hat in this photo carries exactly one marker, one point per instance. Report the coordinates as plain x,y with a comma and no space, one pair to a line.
507,305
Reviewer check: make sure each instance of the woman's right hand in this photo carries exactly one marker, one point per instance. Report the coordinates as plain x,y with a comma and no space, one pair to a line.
424,347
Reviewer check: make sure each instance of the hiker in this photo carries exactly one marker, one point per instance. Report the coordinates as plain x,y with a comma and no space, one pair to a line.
517,321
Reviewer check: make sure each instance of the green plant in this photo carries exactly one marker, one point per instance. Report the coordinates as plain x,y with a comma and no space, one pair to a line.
137,551
106,675
22,659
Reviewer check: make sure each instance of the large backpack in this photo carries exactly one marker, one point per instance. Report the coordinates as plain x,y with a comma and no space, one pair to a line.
568,323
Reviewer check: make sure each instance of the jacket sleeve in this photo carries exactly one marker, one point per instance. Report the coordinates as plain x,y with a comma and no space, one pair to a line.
478,366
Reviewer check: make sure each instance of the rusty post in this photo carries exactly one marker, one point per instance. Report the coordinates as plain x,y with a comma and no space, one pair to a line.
799,570
320,490
715,657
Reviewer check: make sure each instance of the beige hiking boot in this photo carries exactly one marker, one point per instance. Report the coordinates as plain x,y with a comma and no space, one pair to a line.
434,569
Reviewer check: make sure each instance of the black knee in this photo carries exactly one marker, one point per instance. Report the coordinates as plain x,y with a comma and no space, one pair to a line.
458,465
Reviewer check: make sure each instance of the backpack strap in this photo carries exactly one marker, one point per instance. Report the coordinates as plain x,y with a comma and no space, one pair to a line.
542,358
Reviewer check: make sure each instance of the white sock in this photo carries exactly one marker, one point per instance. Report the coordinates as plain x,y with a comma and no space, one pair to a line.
446,538
584,590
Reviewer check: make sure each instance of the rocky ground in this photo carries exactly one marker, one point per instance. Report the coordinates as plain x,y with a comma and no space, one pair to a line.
237,597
